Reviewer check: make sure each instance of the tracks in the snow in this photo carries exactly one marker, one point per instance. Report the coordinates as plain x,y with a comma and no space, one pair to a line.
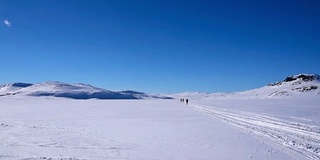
303,140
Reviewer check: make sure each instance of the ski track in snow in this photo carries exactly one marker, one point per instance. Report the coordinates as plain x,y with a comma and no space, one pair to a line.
301,141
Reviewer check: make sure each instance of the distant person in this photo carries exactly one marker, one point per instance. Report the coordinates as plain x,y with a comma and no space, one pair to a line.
187,101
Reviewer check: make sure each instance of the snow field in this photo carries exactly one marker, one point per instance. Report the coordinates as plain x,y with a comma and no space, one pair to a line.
302,140
56,128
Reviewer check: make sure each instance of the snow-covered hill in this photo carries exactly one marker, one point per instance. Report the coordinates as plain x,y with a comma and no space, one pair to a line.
293,86
75,91
301,85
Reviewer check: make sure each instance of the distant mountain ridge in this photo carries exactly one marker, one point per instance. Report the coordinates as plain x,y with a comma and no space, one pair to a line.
301,85
75,91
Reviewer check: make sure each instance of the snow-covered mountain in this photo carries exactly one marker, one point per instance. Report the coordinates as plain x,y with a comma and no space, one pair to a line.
75,91
292,86
301,85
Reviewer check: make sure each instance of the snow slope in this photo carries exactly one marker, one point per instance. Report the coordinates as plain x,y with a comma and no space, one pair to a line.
75,91
10,88
293,86
307,85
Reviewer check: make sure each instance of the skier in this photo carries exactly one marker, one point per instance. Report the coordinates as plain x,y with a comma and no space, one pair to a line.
187,101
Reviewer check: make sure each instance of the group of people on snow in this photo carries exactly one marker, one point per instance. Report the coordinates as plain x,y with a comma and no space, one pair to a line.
184,100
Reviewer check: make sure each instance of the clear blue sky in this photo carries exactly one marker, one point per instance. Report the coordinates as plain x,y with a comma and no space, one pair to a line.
159,46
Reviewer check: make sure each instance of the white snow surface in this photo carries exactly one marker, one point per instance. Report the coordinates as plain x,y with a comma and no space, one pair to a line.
301,85
58,128
257,124
75,91
291,123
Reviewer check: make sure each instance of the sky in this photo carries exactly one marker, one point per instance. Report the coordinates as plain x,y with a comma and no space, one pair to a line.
159,46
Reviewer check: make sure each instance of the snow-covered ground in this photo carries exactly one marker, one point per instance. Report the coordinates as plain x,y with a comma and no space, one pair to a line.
279,121
289,123
56,128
